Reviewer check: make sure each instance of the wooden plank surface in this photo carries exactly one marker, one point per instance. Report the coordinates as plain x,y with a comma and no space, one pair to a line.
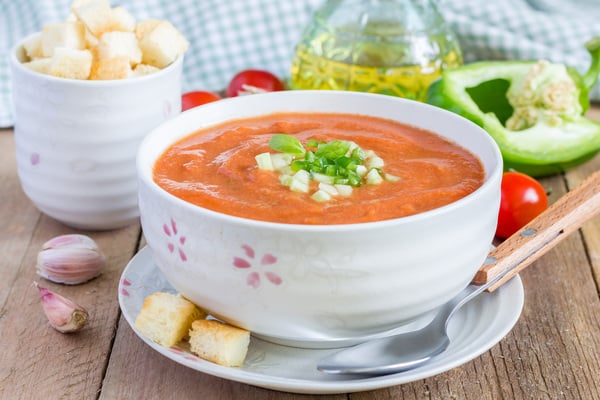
35,360
552,353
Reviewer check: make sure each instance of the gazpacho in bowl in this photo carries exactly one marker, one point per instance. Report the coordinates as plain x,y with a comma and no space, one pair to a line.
369,169
319,218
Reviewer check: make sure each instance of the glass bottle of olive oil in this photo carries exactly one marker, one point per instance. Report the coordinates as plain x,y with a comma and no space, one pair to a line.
394,47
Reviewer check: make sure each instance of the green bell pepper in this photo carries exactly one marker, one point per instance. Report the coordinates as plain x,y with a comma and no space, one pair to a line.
534,110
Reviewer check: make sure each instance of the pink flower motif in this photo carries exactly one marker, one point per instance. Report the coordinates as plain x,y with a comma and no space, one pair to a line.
253,278
273,277
248,250
177,350
125,282
268,259
241,263
191,357
171,231
34,158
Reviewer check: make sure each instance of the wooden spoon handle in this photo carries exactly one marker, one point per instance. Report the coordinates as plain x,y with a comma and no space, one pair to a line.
563,217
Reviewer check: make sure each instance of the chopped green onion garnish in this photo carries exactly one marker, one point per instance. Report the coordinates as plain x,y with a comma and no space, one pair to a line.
338,166
313,143
323,178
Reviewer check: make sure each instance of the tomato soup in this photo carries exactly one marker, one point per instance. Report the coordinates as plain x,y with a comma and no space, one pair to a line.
215,168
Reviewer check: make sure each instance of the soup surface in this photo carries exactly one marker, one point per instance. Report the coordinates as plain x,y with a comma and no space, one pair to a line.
216,168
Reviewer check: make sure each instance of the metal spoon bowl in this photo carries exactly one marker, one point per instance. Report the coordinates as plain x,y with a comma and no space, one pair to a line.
409,350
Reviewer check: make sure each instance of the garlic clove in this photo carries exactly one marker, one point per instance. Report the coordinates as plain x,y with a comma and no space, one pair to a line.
70,259
71,240
63,314
69,265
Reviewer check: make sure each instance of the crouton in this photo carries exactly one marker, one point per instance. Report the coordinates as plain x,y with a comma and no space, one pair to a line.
95,15
122,20
111,68
33,47
119,44
145,26
166,318
41,65
218,342
69,35
104,37
143,69
70,63
162,45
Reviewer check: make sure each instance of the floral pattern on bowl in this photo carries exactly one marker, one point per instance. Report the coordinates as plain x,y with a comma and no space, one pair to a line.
254,277
170,229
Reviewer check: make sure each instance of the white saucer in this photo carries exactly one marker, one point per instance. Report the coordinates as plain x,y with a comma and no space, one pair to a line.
476,327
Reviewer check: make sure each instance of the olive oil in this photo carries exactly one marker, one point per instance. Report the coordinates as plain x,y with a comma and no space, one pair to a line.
378,63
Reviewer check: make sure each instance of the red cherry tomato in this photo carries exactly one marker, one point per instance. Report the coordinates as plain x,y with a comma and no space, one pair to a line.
522,199
197,98
253,81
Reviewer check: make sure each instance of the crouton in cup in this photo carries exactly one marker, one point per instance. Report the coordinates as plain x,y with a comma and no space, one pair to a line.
76,139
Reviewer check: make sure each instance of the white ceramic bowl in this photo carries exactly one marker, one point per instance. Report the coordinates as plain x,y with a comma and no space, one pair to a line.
76,140
339,283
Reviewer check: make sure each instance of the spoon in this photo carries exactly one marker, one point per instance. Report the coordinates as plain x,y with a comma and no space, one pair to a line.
405,351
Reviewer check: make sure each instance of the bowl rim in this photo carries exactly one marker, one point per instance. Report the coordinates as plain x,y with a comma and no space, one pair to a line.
144,166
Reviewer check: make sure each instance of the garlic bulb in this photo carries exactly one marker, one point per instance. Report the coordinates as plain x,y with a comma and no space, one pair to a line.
70,259
63,314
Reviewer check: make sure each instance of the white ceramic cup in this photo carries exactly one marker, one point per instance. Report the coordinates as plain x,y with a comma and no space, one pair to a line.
76,140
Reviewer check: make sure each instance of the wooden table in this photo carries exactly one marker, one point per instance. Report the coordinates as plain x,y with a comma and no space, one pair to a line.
553,352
